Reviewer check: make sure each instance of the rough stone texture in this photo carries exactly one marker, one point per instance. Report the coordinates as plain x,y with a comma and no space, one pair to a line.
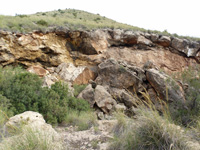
164,41
120,107
168,61
143,40
122,96
60,45
48,80
85,140
69,72
81,42
160,82
40,71
115,75
33,49
31,119
85,76
103,99
186,47
88,94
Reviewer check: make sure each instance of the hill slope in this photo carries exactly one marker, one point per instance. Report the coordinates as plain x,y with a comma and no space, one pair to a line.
70,18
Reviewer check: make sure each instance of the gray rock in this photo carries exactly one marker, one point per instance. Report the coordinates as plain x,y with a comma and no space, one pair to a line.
164,41
114,75
88,94
162,82
186,47
123,96
103,99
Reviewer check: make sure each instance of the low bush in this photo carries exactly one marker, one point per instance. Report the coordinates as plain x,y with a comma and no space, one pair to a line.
78,89
189,113
151,131
30,139
83,120
22,91
42,22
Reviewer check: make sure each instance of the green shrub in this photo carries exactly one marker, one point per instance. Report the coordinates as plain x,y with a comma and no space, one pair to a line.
22,91
83,120
78,89
78,104
42,22
188,113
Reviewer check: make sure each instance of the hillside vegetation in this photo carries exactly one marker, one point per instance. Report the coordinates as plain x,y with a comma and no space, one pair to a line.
73,19
68,18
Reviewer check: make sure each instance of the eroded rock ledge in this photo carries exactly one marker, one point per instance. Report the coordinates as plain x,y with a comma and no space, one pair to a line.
115,63
90,48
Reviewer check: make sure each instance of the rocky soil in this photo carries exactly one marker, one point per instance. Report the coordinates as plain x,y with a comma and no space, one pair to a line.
96,138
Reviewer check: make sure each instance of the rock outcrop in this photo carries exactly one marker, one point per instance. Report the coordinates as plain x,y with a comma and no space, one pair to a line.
167,88
89,48
119,64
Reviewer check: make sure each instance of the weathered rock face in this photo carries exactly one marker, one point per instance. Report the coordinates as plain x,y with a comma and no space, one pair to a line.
77,75
98,96
92,47
114,60
115,75
103,99
186,47
123,96
88,94
32,120
167,88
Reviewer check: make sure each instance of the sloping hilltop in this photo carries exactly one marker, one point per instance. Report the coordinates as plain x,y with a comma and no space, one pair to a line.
69,19
104,88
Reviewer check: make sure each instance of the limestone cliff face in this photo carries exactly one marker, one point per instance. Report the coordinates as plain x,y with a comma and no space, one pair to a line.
90,48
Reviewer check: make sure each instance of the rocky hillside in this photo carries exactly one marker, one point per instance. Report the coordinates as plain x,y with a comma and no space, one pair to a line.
121,69
113,60
68,18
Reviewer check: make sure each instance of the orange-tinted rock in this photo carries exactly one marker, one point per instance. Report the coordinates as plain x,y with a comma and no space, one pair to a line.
38,70
162,58
85,76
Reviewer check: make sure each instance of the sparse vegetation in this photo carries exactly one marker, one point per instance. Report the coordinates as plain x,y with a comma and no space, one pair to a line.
189,113
70,18
30,139
152,131
83,120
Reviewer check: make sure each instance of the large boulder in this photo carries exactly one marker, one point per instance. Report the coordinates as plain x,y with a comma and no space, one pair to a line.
29,119
84,77
186,47
113,74
103,99
144,41
49,80
68,72
77,75
167,88
88,94
119,37
164,41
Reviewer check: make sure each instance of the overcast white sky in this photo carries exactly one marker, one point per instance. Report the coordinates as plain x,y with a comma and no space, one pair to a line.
176,16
